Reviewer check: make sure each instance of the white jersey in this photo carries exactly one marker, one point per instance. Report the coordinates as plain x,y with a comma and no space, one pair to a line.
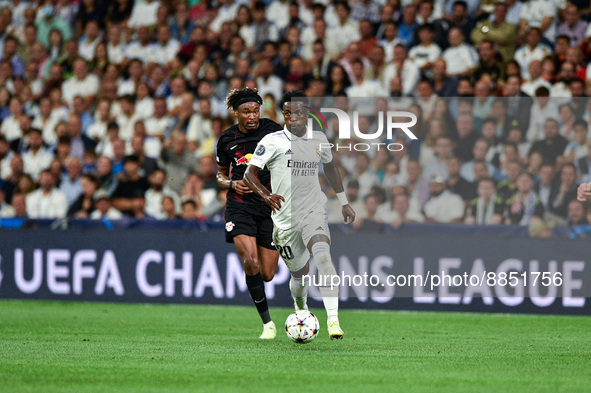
293,163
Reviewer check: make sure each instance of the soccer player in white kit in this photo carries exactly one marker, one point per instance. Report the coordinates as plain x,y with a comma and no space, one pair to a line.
298,203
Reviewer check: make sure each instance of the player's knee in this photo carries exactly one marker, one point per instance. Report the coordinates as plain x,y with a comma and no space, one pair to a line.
251,264
267,275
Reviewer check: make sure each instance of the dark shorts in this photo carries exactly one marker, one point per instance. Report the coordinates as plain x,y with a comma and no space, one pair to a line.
250,221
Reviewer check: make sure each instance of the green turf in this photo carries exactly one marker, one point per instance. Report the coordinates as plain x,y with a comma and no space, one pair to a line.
96,347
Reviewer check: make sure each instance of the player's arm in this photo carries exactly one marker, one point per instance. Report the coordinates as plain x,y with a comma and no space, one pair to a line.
224,181
251,180
334,178
263,153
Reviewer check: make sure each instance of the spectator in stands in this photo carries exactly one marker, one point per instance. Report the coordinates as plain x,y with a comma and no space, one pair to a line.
437,166
401,209
5,157
79,142
37,157
71,183
533,50
481,209
456,183
443,85
577,214
129,182
508,187
401,67
461,59
542,109
6,211
178,161
147,164
104,209
524,207
84,205
363,175
479,152
466,137
553,145
488,64
545,184
169,209
81,84
563,193
346,31
47,21
572,27
47,201
408,25
444,206
191,210
19,205
11,124
497,31
155,195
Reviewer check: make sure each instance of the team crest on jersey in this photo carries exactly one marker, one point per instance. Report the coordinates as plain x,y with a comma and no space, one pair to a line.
229,226
318,152
244,160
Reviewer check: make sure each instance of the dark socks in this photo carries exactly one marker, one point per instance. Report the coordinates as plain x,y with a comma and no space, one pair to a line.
256,287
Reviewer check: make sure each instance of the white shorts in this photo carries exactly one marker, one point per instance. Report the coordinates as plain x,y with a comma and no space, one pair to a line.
292,243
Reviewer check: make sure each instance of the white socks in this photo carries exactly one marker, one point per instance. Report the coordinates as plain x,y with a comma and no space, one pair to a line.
330,296
299,290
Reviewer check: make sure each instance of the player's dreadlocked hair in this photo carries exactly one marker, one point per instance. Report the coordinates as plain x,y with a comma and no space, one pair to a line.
238,97
295,95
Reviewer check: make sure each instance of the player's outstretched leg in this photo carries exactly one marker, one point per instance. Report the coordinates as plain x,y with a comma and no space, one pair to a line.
299,288
256,288
330,295
246,246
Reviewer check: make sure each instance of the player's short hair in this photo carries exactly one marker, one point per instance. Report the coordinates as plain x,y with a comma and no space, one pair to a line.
238,97
295,95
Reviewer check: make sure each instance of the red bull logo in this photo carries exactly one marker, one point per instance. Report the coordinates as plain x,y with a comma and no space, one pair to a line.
244,160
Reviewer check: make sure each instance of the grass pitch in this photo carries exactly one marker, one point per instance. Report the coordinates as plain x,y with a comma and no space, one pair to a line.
97,347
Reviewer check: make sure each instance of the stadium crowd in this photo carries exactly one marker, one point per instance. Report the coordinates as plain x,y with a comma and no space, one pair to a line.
112,108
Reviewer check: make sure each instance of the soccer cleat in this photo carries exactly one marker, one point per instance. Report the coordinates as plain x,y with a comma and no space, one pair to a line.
300,304
335,331
269,331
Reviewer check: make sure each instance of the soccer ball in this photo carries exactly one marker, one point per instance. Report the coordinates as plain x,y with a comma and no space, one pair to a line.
302,326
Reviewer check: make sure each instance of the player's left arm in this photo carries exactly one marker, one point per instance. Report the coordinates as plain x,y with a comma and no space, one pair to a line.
263,153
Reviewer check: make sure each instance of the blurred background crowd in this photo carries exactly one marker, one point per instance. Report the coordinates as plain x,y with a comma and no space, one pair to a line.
112,108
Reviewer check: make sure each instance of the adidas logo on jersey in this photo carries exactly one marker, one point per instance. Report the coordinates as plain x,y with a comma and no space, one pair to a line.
319,229
288,151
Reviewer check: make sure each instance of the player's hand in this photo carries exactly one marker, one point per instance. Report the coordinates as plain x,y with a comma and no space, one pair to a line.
348,214
241,188
274,201
584,192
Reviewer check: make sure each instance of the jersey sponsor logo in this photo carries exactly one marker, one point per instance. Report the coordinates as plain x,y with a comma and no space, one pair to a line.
230,226
243,160
302,164
288,151
260,150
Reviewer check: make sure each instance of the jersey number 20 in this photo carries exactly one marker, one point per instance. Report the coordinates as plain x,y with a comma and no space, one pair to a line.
285,252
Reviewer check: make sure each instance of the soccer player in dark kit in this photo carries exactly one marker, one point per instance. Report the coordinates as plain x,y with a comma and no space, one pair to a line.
248,218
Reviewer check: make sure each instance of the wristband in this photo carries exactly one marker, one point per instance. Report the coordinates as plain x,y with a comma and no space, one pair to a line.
231,181
343,198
